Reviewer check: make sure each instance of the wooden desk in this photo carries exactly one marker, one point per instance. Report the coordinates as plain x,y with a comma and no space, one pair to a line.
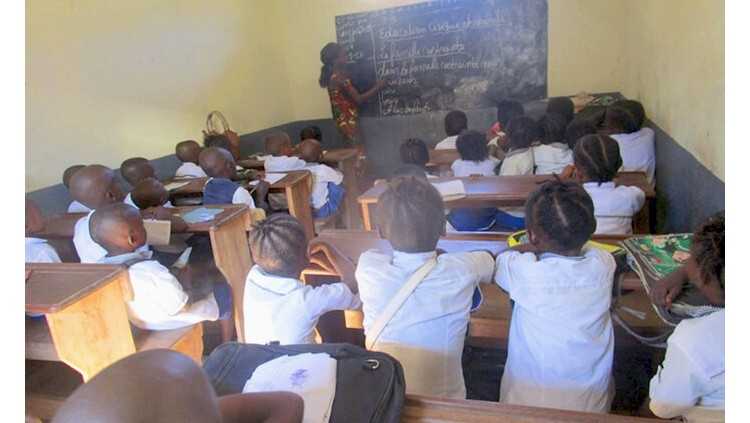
442,159
507,191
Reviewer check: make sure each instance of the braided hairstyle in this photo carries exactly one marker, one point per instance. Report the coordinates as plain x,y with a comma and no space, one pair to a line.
455,122
576,129
561,214
598,156
619,119
708,248
522,132
278,245
553,127
508,109
562,106
328,56
414,151
635,108
410,215
472,146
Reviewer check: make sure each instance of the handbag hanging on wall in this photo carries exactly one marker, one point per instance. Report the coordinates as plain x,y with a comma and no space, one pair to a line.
216,123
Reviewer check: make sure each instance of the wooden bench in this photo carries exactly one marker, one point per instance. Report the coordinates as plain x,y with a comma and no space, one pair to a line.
511,191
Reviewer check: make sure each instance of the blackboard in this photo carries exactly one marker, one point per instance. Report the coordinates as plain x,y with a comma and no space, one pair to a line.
447,54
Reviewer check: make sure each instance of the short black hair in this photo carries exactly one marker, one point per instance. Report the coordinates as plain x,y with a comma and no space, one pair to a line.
562,213
217,140
410,170
619,119
311,131
553,128
455,122
68,173
410,215
414,151
592,114
522,131
132,169
563,106
708,248
635,108
506,110
577,129
472,146
278,245
598,156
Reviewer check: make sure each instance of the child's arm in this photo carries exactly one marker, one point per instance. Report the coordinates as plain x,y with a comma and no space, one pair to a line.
262,407
260,195
342,264
361,98
669,287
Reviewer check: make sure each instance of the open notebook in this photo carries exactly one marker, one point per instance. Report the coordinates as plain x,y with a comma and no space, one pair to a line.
451,190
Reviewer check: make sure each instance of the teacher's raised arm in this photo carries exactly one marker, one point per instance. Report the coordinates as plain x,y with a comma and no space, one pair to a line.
344,97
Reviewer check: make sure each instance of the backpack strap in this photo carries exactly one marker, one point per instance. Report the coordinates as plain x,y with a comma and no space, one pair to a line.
397,301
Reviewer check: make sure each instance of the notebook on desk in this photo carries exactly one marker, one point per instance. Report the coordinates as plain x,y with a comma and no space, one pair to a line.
451,190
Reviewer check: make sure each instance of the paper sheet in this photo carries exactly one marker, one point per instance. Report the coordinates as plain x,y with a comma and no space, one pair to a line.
157,231
272,178
201,214
175,185
451,190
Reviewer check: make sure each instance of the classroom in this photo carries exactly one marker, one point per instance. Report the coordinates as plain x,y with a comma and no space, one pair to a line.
375,211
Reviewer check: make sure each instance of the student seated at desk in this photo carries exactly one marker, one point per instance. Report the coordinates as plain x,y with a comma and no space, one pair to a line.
74,206
561,341
577,129
327,192
597,159
134,170
426,334
690,381
279,158
552,155
561,106
37,249
152,198
159,300
278,306
219,165
166,386
497,134
414,151
187,152
455,122
229,141
636,143
311,132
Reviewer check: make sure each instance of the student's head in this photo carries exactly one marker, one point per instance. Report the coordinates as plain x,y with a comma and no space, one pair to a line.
553,128
410,215
311,131
562,106
618,120
576,130
95,186
472,146
331,55
149,193
217,140
278,144
310,150
136,169
455,122
118,228
414,151
597,158
150,386
279,245
68,173
410,170
592,114
507,110
34,219
188,151
560,217
217,163
522,131
635,108
706,266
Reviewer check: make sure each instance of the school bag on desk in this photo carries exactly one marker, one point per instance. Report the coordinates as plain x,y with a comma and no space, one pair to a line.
369,385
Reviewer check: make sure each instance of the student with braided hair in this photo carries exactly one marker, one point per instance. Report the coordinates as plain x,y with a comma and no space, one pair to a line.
552,155
278,306
597,159
690,381
623,122
561,340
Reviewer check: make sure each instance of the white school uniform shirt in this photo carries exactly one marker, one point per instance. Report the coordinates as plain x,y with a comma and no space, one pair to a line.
76,207
690,381
88,250
448,143
614,206
552,158
190,169
159,302
486,167
129,201
39,251
283,163
286,310
638,152
517,162
561,341
322,175
427,334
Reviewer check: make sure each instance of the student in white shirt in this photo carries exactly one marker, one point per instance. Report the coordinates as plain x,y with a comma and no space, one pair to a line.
427,333
281,159
552,155
187,152
561,340
497,136
219,165
278,306
37,249
455,122
690,381
152,199
159,300
636,143
522,132
327,191
74,206
597,159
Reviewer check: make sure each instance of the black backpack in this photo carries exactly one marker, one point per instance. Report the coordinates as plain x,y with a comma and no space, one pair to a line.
369,385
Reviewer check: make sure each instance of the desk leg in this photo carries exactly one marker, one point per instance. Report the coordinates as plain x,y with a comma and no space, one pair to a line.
366,218
351,185
298,199
192,344
94,332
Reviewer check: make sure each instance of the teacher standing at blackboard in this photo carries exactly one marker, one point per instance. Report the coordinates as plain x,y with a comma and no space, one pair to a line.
345,99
